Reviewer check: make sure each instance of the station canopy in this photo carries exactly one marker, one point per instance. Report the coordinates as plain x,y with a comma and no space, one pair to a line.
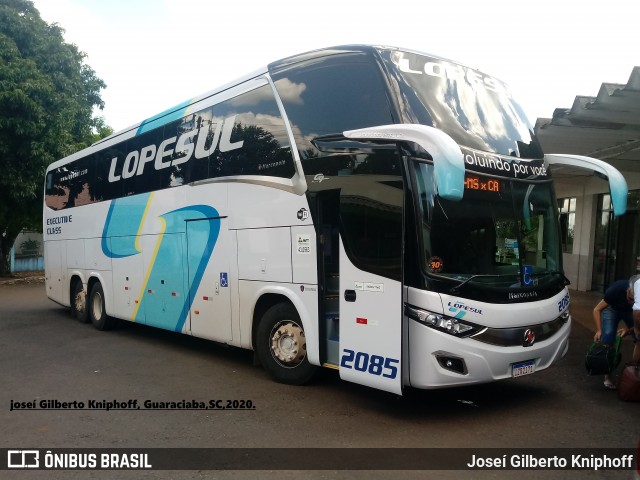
606,127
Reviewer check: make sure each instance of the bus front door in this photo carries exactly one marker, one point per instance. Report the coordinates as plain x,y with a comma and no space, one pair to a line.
370,327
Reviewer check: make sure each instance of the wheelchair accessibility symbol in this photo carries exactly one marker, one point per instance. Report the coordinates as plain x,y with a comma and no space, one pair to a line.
224,279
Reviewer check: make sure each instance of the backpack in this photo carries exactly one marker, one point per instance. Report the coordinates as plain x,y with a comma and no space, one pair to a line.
602,359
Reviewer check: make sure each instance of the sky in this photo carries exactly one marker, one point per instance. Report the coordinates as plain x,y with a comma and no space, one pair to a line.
154,54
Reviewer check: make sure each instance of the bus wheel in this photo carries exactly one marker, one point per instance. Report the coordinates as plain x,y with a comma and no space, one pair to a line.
79,303
282,346
98,314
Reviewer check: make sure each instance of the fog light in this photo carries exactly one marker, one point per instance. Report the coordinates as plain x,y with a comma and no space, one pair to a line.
455,364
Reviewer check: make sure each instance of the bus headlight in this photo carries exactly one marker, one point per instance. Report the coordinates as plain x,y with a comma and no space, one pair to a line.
450,325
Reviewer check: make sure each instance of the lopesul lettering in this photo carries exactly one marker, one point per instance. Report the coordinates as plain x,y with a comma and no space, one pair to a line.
453,71
466,308
175,151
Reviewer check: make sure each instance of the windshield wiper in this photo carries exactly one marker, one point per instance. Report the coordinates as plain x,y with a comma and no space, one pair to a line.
457,287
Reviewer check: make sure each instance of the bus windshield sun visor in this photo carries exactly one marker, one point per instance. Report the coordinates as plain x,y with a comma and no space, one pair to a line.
448,159
617,184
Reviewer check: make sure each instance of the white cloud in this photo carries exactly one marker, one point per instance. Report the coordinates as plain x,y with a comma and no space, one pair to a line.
154,54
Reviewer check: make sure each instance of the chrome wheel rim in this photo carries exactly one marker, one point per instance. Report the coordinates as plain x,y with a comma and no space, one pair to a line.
288,344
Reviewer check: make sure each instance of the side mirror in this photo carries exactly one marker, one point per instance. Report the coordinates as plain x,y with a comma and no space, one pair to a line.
617,184
448,161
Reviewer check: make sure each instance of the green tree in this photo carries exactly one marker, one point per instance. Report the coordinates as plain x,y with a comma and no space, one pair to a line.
47,98
99,129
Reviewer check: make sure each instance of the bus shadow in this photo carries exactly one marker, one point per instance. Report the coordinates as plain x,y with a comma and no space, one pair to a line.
180,342
467,401
326,386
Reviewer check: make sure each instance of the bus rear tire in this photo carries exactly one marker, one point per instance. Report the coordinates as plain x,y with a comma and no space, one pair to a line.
97,312
79,307
282,347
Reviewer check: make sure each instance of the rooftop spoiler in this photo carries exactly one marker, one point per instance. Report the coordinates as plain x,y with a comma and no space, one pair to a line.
448,161
617,184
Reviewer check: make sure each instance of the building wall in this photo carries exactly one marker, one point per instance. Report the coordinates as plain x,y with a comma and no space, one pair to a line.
578,264
27,252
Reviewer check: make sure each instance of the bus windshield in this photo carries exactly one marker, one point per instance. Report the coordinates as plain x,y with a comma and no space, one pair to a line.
473,108
502,234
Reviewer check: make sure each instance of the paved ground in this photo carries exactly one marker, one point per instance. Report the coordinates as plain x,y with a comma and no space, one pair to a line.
45,354
19,278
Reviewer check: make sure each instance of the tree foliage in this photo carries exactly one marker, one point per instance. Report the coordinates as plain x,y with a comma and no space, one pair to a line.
47,99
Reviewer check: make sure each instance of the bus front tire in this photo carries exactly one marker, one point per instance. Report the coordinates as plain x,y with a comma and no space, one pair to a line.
79,307
282,346
97,312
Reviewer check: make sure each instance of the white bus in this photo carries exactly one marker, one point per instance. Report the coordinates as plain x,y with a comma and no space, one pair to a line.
374,210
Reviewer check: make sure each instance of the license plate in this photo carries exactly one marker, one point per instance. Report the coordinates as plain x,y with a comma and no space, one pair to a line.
523,368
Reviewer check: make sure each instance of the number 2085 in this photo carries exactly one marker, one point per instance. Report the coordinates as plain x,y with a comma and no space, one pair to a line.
373,364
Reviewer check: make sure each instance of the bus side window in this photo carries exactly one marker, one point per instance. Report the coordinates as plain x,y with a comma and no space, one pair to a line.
55,195
103,188
331,95
258,143
328,96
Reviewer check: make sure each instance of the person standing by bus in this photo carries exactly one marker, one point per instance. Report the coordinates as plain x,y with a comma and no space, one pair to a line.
634,284
614,307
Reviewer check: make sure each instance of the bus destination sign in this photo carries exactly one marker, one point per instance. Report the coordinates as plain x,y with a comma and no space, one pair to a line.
512,167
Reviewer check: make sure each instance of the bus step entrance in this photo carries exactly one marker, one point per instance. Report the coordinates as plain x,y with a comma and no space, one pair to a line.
332,285
332,326
333,338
